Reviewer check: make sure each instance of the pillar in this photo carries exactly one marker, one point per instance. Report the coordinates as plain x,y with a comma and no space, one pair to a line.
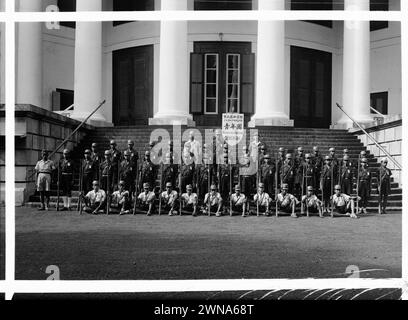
29,58
173,103
356,68
270,70
88,66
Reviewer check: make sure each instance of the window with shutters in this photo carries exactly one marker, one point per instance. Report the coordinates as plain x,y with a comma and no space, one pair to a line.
233,82
379,102
67,6
211,83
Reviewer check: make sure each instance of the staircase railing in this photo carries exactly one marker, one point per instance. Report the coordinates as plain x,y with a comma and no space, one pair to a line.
377,112
72,133
397,164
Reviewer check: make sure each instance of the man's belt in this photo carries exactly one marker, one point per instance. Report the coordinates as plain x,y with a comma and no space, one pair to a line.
44,172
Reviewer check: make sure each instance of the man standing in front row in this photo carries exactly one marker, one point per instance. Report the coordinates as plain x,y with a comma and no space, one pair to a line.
44,169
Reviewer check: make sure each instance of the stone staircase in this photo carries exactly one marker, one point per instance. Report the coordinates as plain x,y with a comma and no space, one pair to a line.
274,137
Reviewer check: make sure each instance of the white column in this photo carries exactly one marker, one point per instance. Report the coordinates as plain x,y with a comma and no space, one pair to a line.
88,65
173,104
2,55
270,70
356,67
29,58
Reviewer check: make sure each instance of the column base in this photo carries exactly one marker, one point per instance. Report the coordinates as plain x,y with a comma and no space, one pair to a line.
171,120
270,122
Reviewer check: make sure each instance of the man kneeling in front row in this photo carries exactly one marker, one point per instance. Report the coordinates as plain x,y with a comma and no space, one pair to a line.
168,199
286,201
213,202
120,202
311,203
95,200
342,203
238,202
189,201
145,200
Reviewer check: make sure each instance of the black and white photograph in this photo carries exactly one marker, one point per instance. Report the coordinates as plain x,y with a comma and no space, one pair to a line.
207,149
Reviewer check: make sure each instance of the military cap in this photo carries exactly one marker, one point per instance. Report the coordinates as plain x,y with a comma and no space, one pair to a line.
237,188
121,183
168,184
327,158
315,148
151,144
87,151
263,147
307,155
300,148
266,156
346,158
147,153
146,185
189,187
332,149
285,186
310,188
66,151
94,144
112,142
130,142
261,185
288,156
364,160
213,186
363,153
95,183
107,152
384,160
204,145
281,149
345,150
337,187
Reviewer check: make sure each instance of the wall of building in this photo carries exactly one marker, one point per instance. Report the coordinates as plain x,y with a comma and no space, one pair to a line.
58,54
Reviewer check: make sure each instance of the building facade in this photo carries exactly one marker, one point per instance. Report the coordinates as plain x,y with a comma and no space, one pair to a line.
284,73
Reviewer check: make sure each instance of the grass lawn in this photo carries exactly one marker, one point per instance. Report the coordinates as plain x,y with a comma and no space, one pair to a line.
161,247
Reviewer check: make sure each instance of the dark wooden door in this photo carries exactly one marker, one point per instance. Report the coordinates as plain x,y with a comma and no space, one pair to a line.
221,70
310,88
133,86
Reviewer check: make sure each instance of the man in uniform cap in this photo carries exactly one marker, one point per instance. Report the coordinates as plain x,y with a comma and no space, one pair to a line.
66,179
116,158
194,147
148,172
334,164
287,174
268,174
224,177
106,172
213,202
238,202
312,203
120,201
187,170
202,173
145,200
89,172
170,170
168,199
134,155
326,183
364,185
247,173
298,168
384,185
95,199
346,176
44,169
317,162
96,158
189,201
286,202
127,172
280,161
306,171
342,203
262,200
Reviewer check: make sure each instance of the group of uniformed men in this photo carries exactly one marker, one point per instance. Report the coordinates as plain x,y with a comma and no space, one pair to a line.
118,183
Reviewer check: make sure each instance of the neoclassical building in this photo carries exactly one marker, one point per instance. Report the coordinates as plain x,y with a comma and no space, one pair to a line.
285,73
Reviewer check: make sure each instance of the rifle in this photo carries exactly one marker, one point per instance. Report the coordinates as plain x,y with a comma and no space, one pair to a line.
161,186
358,180
58,185
81,173
379,192
230,176
138,173
276,186
331,190
209,187
302,190
180,191
107,193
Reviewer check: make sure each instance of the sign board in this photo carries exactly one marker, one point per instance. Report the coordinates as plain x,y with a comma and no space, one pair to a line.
232,127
